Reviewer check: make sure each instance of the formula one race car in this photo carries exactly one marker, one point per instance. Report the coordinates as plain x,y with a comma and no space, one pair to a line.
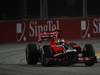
51,48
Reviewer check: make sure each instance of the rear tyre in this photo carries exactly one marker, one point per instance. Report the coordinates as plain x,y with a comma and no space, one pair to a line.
88,51
31,54
46,53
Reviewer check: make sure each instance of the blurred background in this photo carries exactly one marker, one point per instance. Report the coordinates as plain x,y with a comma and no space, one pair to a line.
27,9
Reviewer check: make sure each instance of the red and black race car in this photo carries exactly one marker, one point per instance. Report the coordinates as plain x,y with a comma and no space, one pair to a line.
51,48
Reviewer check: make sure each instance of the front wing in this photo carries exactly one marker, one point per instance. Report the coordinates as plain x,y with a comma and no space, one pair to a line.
79,59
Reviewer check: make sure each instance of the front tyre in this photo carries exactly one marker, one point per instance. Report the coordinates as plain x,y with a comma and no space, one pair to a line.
46,53
31,54
88,51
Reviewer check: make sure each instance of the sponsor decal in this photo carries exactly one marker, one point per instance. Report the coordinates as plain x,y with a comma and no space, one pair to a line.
20,32
85,29
34,28
90,27
83,25
96,25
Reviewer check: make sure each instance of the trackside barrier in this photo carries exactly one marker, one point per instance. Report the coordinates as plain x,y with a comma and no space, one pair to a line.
28,30
90,28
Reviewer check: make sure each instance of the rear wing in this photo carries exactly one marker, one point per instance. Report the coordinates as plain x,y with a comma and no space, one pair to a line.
47,35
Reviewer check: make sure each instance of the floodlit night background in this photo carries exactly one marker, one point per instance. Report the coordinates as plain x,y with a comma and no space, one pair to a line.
21,22
19,9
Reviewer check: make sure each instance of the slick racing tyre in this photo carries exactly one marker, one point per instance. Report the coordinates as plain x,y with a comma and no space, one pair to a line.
72,58
88,51
46,53
31,54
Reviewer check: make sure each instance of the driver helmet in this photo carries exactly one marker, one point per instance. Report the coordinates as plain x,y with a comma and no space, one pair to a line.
61,42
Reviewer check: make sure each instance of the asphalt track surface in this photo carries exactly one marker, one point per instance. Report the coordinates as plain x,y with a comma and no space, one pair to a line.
12,62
